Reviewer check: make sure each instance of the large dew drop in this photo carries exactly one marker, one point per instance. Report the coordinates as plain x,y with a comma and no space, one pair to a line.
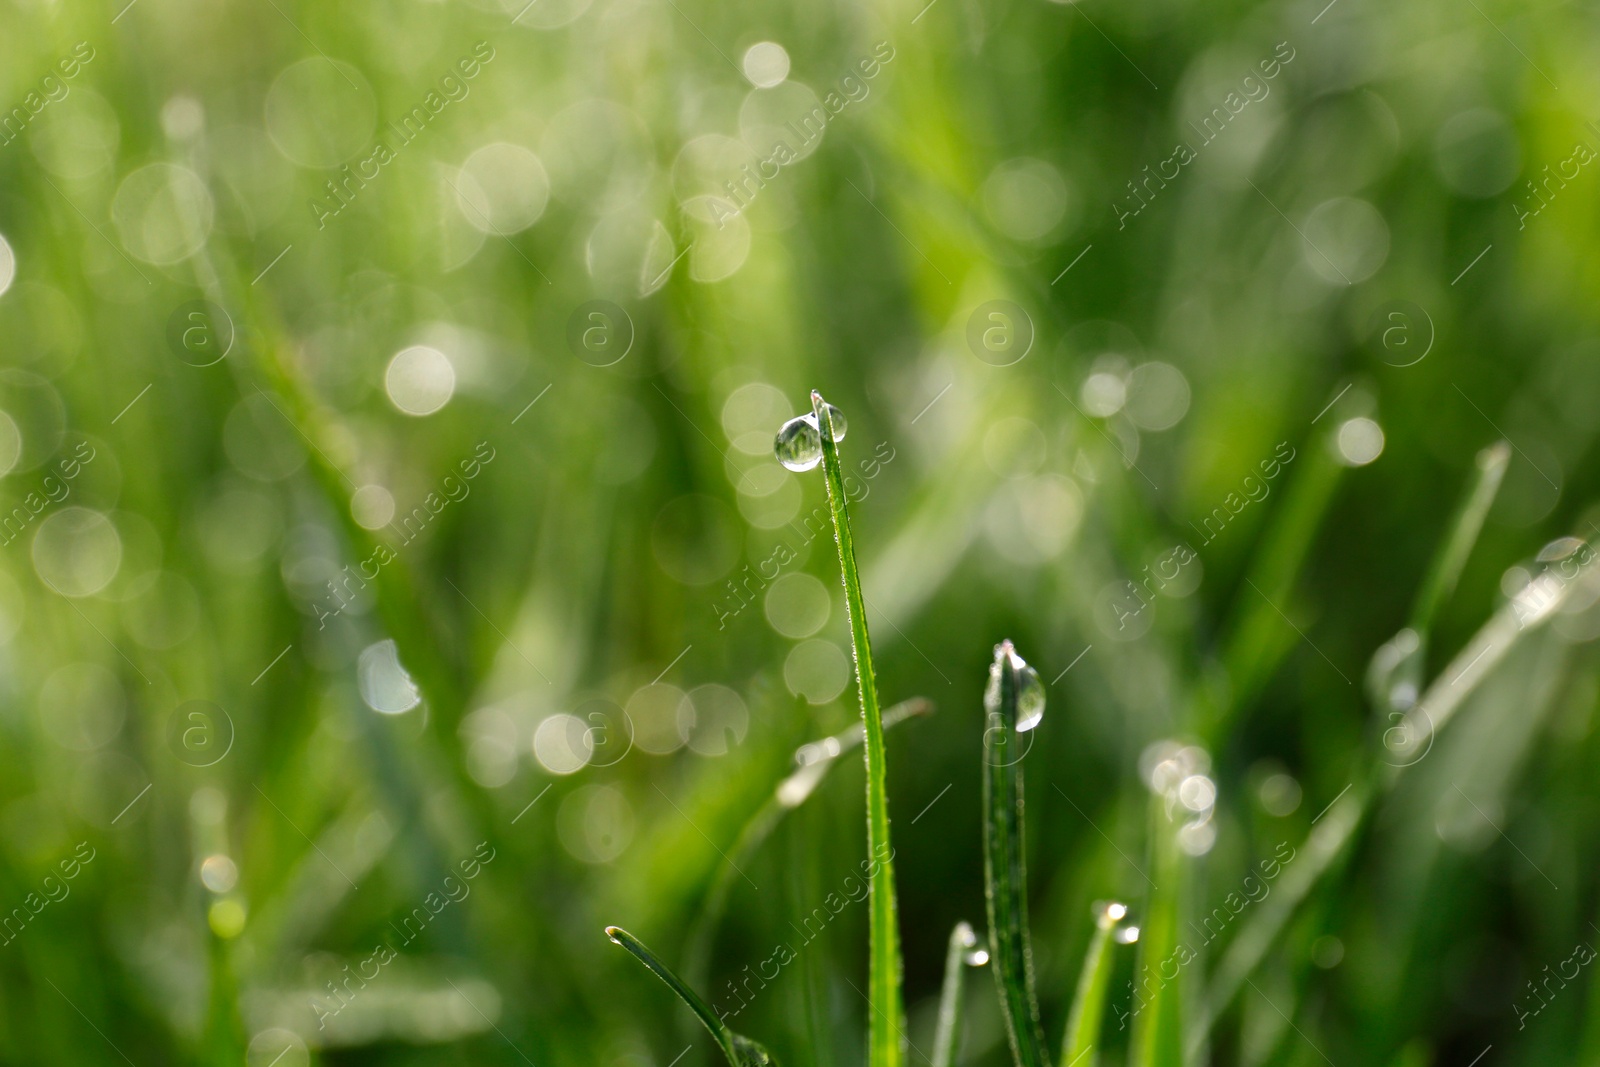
798,445
1030,691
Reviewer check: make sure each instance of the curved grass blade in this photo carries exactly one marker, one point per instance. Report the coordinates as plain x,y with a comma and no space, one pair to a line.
740,1050
1089,1002
1005,879
886,1025
814,760
961,954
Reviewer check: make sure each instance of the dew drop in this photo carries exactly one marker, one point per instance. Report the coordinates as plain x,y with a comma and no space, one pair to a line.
798,445
1030,691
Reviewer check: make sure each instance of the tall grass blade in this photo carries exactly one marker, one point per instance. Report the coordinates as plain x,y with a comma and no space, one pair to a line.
1005,878
1447,565
1094,982
886,1024
740,1050
1157,1038
957,957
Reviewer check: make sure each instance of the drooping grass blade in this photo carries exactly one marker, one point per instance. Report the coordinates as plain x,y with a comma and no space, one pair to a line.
815,759
961,953
1005,878
740,1050
1089,1002
886,1023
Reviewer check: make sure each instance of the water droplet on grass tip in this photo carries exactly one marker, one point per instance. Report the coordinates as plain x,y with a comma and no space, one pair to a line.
798,445
1030,691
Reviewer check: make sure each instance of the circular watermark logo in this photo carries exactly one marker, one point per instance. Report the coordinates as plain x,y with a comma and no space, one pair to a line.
1409,739
607,732
599,332
200,733
1002,747
1000,333
1400,333
200,333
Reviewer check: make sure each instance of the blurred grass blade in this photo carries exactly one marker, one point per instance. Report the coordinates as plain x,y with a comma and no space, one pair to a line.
1157,1038
961,953
1395,675
1447,565
1534,605
815,760
740,1050
1005,877
886,1021
1089,1002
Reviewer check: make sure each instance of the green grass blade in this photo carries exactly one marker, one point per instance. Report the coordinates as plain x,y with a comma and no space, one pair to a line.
1157,1038
887,1022
1464,529
947,1036
815,760
1089,1002
1005,878
740,1050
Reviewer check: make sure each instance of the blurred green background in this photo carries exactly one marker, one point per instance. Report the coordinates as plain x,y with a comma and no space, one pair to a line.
397,582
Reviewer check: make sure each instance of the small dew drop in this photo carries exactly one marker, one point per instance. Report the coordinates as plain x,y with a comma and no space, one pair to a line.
977,957
1126,935
798,445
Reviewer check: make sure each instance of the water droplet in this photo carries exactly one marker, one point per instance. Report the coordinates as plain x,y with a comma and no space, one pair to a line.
1560,549
977,957
1030,691
799,442
1126,935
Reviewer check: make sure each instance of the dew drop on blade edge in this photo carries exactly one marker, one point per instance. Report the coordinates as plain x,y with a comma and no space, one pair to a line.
798,445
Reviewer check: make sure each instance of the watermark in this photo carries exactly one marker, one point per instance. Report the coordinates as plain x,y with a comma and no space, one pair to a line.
856,889
1253,90
1552,184
1580,958
600,333
54,888
454,891
785,552
1254,489
1255,890
849,89
54,490
1396,333
411,527
1167,568
1000,333
200,333
51,90
200,733
343,188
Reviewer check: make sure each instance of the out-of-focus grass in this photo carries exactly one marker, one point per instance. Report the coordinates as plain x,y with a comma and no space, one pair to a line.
584,569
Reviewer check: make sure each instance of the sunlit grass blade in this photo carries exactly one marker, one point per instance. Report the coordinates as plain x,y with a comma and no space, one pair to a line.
1094,982
1157,1038
961,953
815,760
740,1050
1395,677
1005,877
1534,605
886,1023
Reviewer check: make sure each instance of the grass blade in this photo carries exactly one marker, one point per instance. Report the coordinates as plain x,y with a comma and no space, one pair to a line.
1464,529
740,1050
1157,1038
887,1022
957,957
815,760
1005,879
1089,1002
